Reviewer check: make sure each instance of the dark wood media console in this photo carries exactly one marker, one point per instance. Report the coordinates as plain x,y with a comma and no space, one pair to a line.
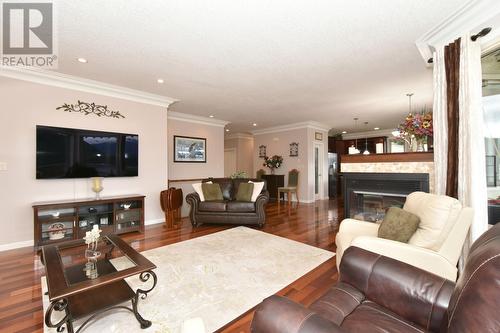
57,221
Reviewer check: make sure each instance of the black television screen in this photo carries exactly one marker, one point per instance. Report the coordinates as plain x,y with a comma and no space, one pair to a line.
78,153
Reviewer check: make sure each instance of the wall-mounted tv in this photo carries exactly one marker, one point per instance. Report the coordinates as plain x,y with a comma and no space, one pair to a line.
79,153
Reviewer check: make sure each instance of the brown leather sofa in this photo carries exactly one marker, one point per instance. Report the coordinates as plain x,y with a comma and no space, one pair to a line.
228,211
380,294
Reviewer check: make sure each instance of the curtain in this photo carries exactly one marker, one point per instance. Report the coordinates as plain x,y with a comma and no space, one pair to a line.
459,152
452,66
440,123
472,189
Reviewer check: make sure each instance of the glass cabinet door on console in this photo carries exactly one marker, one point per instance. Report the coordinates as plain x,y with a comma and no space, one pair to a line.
128,216
96,214
61,220
55,225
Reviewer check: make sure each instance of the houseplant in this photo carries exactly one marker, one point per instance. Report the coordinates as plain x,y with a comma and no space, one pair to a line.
273,162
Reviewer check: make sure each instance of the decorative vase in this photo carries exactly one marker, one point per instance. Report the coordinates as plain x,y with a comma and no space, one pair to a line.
97,186
420,146
272,171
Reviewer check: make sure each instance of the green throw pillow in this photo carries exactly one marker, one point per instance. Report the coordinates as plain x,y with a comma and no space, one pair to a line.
245,191
211,192
398,225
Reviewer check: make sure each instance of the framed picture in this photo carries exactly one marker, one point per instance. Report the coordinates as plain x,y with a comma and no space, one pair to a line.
294,149
262,151
190,150
318,136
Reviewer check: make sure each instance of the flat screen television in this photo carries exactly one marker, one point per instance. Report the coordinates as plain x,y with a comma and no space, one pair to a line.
79,153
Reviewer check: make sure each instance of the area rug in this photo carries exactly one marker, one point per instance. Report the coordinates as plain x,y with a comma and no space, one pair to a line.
215,277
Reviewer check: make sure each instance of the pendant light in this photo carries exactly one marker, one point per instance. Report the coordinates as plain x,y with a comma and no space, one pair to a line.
353,149
366,152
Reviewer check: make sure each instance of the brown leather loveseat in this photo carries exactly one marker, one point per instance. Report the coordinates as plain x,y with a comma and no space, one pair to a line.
228,211
380,294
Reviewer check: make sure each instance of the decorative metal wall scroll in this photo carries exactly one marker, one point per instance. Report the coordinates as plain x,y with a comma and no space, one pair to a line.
91,108
294,149
262,151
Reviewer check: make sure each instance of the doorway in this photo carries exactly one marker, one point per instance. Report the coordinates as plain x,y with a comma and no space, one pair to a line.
229,161
319,160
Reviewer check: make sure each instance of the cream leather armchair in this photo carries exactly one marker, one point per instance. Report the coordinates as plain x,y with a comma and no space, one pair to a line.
436,245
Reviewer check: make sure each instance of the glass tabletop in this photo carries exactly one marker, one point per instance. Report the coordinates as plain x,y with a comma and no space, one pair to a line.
81,263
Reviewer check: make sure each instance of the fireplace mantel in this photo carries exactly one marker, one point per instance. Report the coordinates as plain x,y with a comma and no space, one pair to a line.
390,163
384,158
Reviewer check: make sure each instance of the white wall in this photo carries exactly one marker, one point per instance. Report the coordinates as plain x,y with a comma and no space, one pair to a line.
25,105
215,154
278,143
244,146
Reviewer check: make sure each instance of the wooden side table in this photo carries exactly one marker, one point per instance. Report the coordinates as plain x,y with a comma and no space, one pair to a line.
273,182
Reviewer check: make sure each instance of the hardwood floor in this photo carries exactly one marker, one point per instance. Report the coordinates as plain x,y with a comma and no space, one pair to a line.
314,224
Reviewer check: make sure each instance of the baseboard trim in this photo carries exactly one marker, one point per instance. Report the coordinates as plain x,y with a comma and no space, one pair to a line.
16,245
155,221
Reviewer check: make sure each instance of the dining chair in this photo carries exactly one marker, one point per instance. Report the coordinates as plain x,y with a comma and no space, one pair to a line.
291,188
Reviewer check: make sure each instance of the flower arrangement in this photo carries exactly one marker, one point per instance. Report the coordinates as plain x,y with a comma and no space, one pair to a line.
273,162
416,128
92,237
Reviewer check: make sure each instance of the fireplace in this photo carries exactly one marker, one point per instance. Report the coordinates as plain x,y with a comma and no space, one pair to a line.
368,195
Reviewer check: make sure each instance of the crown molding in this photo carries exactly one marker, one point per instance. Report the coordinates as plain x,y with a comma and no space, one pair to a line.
239,136
60,80
190,118
465,19
306,124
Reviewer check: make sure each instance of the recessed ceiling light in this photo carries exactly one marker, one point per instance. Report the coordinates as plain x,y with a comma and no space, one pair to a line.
211,116
344,132
376,128
227,129
254,124
82,60
160,81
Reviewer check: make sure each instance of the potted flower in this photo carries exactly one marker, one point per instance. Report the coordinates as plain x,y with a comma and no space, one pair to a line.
273,162
416,129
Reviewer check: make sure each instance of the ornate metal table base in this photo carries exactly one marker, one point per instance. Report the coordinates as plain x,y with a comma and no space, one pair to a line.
62,305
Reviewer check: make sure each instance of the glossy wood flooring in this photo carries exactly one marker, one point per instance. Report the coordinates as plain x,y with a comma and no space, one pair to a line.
313,224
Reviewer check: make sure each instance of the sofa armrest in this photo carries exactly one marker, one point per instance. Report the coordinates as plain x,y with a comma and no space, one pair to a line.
260,207
193,199
428,260
280,315
414,294
350,229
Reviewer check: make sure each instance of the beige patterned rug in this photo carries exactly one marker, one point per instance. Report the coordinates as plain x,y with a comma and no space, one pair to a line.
216,277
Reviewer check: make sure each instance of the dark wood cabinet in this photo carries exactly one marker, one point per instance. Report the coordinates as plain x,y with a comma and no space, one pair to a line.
273,182
57,221
342,146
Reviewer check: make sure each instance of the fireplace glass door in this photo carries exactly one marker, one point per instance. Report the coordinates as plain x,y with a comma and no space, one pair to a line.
371,206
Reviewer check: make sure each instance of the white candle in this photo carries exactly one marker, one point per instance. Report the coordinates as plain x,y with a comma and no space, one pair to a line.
95,227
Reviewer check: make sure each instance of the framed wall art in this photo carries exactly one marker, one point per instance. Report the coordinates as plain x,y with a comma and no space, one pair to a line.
262,151
318,136
294,149
190,149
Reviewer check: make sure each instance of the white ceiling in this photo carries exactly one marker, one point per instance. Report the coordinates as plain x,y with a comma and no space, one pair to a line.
270,62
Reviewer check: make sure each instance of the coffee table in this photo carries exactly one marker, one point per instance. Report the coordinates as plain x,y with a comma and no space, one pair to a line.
75,292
